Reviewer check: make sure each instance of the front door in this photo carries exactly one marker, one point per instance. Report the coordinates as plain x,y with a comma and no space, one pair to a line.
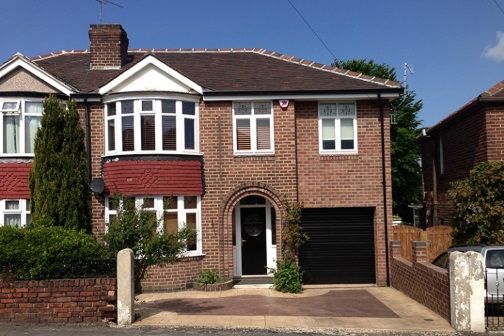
253,234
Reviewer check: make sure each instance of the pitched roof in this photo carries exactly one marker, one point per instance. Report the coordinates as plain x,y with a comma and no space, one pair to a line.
493,94
222,70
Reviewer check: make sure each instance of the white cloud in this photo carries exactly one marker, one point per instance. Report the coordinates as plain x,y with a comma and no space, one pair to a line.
495,53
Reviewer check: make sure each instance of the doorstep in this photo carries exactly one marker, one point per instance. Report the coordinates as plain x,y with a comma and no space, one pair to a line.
253,282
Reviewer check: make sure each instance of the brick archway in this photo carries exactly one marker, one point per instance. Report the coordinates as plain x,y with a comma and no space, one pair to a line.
226,215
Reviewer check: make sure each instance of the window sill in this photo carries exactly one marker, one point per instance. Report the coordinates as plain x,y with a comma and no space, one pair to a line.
150,156
334,153
191,256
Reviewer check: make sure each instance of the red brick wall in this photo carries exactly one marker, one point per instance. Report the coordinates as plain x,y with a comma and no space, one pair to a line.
108,46
177,276
495,132
97,150
464,141
14,180
353,180
421,281
229,178
59,301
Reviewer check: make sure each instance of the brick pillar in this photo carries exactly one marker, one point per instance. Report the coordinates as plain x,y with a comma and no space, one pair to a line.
395,248
419,251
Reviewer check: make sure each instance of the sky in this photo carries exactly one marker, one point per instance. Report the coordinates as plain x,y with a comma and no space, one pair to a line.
456,47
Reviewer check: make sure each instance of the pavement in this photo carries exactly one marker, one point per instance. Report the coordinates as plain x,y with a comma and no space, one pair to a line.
317,309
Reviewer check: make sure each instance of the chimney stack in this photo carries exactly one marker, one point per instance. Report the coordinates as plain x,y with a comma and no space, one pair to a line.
108,44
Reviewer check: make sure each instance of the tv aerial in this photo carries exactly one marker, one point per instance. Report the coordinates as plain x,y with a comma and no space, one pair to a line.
106,2
408,69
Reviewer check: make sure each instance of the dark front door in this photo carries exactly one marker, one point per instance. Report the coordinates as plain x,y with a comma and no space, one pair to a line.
253,230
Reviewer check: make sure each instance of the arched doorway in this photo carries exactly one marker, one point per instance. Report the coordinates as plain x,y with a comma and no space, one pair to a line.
254,237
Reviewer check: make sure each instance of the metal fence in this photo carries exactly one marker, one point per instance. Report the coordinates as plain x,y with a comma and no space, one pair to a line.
494,299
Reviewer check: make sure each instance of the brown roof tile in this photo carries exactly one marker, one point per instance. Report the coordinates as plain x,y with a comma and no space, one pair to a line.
224,70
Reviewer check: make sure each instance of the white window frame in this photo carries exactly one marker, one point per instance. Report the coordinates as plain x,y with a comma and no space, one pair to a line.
157,112
337,128
23,210
20,111
159,209
253,130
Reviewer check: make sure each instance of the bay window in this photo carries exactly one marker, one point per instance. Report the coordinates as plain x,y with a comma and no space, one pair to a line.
173,213
134,126
253,128
337,128
15,212
19,121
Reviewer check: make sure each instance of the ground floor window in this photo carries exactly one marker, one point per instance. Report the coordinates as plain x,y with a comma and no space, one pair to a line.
15,212
173,213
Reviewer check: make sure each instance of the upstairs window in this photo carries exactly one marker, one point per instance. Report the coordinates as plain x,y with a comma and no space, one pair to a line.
19,121
135,126
337,128
253,128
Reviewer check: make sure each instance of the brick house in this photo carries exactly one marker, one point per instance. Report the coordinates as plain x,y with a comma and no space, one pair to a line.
216,140
451,148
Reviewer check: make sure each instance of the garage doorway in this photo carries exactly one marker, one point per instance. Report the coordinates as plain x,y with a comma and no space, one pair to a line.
340,249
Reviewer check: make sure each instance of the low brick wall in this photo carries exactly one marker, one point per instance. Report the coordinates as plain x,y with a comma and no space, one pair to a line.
58,301
170,277
420,280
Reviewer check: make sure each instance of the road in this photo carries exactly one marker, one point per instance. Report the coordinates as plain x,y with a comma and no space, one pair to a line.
78,330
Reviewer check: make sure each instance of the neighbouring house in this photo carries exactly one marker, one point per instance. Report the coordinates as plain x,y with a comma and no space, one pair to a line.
217,139
451,148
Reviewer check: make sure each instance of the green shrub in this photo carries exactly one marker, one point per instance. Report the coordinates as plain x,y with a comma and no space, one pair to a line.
479,205
209,276
50,252
288,277
137,229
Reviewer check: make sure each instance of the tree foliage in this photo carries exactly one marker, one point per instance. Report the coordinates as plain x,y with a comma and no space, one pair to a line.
136,229
58,179
405,150
479,205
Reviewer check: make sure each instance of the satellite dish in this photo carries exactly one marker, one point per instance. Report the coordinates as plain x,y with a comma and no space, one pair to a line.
97,185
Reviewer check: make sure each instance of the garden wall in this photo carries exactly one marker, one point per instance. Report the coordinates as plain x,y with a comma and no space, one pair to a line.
171,277
420,280
58,301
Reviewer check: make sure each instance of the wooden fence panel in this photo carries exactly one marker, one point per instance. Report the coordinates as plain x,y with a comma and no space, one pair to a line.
438,238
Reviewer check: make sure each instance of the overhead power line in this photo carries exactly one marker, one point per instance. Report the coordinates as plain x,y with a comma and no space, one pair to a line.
311,28
498,6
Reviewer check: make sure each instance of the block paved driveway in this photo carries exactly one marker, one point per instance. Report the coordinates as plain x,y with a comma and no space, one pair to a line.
315,309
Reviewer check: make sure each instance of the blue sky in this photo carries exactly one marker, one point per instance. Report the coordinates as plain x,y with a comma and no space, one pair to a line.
452,44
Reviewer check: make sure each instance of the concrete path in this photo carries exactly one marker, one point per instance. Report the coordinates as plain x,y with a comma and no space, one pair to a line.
316,309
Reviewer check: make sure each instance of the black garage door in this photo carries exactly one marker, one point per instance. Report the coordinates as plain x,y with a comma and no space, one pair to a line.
341,246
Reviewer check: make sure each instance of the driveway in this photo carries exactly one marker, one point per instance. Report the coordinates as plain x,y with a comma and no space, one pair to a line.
316,309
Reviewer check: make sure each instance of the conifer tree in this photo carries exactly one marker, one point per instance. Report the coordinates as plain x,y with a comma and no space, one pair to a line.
58,179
